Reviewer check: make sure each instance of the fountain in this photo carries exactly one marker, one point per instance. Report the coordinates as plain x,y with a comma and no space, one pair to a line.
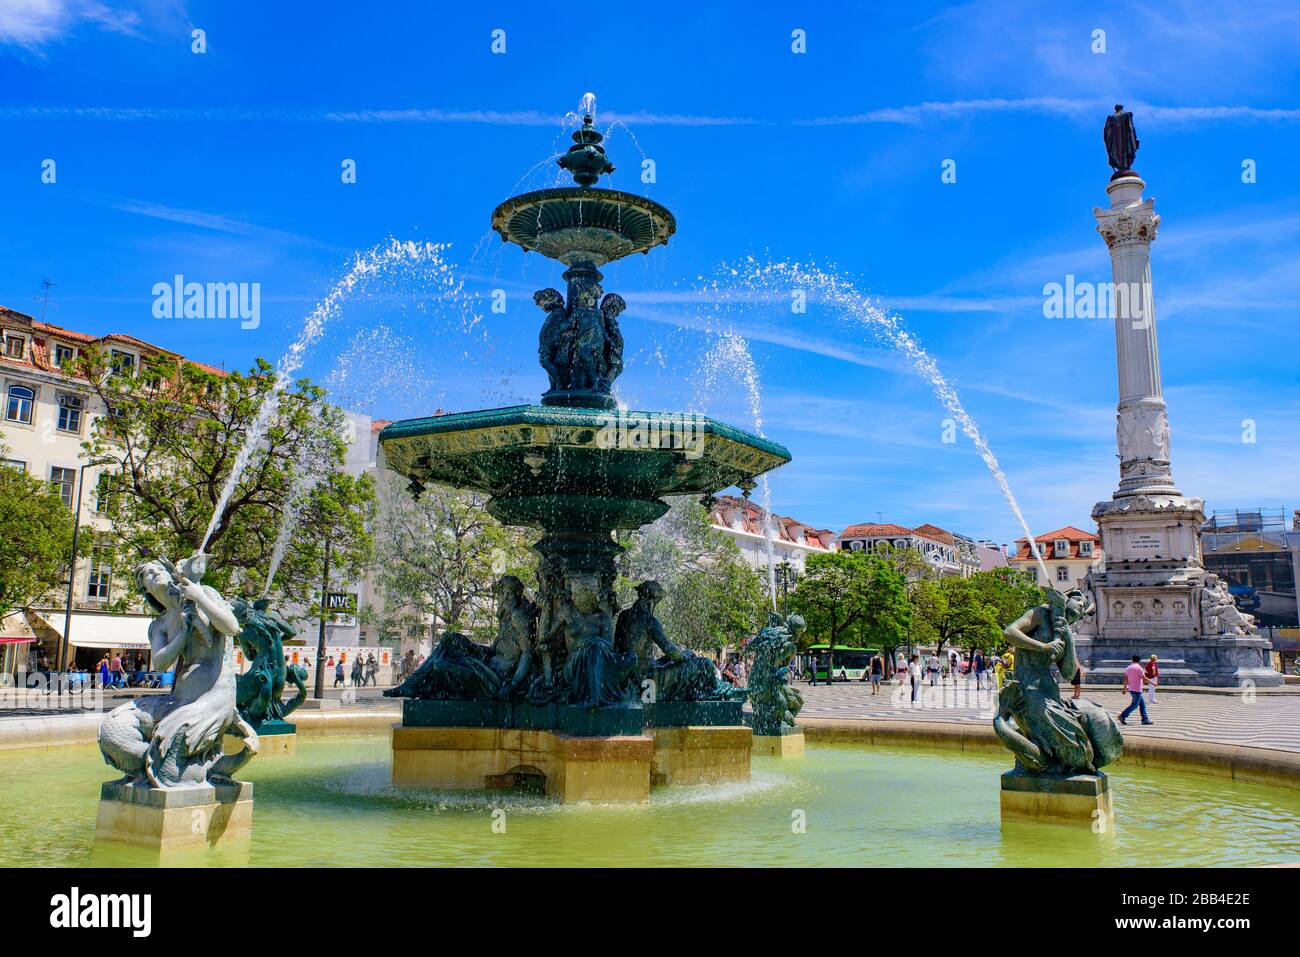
571,695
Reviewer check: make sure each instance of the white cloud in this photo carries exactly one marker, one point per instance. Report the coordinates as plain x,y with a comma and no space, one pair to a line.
33,24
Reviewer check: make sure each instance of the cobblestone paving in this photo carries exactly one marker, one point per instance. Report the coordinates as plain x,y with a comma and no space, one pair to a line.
1261,721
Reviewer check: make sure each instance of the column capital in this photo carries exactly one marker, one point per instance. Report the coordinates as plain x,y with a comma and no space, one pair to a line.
1130,218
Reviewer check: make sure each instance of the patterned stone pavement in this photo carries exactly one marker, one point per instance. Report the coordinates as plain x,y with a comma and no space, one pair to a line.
1261,721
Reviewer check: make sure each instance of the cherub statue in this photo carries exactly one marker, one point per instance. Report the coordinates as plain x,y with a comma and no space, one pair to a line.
175,740
595,674
555,342
611,307
589,340
1045,733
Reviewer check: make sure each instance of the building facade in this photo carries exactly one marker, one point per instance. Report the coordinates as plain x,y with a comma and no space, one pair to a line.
792,541
45,415
947,553
1069,553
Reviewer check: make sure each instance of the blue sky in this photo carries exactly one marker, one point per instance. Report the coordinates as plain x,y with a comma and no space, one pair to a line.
225,166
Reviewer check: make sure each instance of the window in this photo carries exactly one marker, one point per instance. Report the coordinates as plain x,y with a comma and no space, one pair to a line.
70,407
64,482
112,419
1062,573
122,363
100,581
1085,548
14,346
14,464
63,355
19,406
105,495
1062,547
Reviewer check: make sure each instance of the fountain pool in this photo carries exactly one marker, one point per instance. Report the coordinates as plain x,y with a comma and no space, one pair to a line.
334,805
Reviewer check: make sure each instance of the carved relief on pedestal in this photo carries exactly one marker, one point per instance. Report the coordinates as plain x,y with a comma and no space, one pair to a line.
1142,433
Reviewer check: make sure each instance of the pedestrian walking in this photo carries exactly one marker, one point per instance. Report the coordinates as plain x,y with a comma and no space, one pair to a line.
979,669
1135,679
914,675
372,666
1077,681
358,672
813,659
338,672
932,665
877,672
1152,671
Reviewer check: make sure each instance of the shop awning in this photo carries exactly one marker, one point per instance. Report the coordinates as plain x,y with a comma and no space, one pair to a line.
90,630
14,629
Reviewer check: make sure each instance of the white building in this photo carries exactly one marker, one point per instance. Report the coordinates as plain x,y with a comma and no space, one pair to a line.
1069,553
792,541
948,554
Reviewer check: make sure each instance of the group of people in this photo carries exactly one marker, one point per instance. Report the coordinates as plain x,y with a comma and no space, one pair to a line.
113,671
364,671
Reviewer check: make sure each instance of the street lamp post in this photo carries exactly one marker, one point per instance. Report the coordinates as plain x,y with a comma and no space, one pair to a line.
65,639
324,617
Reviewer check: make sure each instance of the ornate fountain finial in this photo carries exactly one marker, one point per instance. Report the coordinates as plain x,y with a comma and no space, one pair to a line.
586,159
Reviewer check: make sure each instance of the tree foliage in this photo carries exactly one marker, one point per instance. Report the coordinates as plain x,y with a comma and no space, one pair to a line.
172,433
853,598
970,613
713,597
440,555
35,539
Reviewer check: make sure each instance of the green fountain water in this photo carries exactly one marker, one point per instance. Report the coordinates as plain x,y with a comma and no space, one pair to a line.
333,805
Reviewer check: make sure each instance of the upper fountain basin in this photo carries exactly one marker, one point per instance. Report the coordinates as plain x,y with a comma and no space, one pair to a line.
552,467
575,224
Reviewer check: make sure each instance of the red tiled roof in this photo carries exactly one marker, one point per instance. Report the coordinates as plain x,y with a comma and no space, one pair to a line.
378,425
42,332
1071,534
787,529
874,530
937,533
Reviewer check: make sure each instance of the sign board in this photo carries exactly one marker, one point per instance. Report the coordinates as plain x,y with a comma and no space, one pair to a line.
341,602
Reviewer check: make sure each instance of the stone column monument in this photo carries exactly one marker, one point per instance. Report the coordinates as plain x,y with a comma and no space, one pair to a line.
1153,595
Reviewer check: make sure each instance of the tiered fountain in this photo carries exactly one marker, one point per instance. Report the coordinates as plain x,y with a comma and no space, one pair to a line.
574,695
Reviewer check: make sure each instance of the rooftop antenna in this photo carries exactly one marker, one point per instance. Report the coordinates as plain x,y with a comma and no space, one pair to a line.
45,299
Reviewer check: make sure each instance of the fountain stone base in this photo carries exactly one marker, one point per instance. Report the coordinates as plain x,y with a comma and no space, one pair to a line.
1072,799
788,744
701,755
276,739
599,769
174,819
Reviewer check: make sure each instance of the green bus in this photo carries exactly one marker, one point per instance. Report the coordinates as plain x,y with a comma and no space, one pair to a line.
851,664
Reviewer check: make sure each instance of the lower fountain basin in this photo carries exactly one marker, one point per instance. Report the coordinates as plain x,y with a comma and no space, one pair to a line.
576,468
929,808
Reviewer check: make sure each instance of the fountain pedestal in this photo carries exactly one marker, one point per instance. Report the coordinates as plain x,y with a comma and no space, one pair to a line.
599,769
788,744
174,819
276,739
1073,799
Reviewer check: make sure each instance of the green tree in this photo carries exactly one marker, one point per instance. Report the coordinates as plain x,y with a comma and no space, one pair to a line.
440,555
970,613
173,431
35,539
712,597
852,597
